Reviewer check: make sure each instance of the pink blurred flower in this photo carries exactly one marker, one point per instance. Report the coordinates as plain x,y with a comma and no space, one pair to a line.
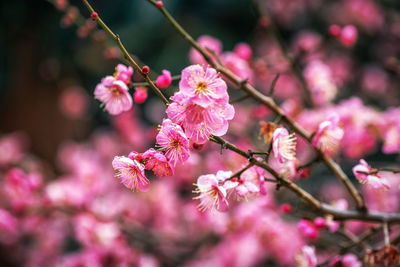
243,51
202,85
308,229
238,66
123,73
319,78
367,175
206,42
114,94
74,103
140,95
391,139
173,142
347,260
348,35
91,232
157,162
328,135
283,145
306,257
131,173
164,80
212,195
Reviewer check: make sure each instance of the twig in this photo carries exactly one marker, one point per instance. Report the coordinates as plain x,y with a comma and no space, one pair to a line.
127,56
239,173
272,87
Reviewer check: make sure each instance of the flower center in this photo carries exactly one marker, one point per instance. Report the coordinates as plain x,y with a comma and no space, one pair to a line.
115,92
201,87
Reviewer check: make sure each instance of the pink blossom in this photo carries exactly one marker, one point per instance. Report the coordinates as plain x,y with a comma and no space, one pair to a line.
212,195
164,80
243,51
131,173
348,260
173,142
157,162
307,257
208,43
91,232
283,145
74,103
238,66
250,183
328,135
202,85
140,95
199,122
319,79
114,94
348,35
367,175
123,73
391,139
308,229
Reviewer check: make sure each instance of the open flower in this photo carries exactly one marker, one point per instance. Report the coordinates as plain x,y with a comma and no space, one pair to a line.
114,94
283,145
123,73
328,135
157,162
174,142
365,174
212,195
202,85
131,173
199,122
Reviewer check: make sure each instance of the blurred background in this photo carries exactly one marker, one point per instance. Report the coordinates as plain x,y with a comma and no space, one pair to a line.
42,55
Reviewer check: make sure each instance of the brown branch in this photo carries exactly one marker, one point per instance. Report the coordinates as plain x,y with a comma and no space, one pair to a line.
127,56
270,103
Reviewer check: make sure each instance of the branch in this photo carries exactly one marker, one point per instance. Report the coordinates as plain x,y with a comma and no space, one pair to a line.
126,54
270,103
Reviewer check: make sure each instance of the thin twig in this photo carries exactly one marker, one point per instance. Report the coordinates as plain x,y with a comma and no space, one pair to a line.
272,87
140,84
127,56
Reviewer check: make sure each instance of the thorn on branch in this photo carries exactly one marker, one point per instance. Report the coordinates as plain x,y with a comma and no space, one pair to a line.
272,87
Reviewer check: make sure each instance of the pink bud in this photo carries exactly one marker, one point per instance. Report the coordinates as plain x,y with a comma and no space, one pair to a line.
348,36
159,4
335,30
243,50
286,208
319,222
311,233
164,80
140,95
145,70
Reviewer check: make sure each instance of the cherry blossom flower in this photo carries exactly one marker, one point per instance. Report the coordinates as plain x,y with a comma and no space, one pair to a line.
114,94
328,135
212,195
347,260
123,73
199,122
208,43
365,174
131,173
348,35
173,142
202,85
164,80
319,78
283,145
157,162
307,257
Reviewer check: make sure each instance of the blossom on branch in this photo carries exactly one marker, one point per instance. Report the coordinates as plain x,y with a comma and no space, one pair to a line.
114,94
131,173
365,174
283,145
